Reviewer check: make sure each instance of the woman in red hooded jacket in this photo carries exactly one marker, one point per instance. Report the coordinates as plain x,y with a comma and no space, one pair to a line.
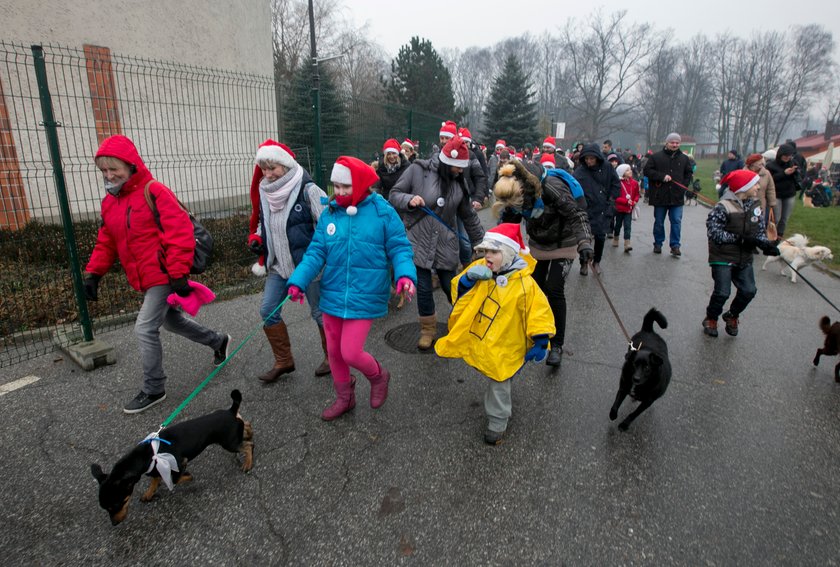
156,254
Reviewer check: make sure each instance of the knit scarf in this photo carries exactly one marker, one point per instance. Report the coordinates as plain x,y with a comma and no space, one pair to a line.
277,192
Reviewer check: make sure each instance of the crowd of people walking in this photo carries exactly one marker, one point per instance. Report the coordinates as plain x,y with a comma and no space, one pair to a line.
406,224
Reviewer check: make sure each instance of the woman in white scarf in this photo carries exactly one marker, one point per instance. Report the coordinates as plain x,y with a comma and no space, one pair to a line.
287,206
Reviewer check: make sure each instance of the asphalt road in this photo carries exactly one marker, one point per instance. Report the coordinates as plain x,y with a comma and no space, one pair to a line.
735,465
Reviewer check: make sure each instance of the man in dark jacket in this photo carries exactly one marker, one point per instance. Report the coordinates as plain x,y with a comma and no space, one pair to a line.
666,170
733,162
600,187
391,166
786,177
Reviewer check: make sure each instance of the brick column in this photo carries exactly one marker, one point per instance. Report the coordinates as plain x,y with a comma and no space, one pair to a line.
14,209
103,92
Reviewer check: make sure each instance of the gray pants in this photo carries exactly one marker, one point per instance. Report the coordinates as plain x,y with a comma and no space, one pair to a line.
154,313
497,404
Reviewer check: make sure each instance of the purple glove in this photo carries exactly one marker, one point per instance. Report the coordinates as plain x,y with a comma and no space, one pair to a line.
405,286
296,294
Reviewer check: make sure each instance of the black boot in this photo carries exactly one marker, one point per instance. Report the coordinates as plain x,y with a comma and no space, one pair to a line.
555,356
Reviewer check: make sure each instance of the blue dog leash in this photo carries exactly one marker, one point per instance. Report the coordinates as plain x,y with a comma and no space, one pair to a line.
432,214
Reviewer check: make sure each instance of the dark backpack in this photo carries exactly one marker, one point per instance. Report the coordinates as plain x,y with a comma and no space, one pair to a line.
203,241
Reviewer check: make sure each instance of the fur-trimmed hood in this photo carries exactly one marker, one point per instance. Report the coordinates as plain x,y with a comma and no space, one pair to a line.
531,186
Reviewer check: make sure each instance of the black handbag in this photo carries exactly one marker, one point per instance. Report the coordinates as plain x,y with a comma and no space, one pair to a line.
203,254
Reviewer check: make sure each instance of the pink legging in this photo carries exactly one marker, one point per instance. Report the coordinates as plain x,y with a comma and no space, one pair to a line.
345,347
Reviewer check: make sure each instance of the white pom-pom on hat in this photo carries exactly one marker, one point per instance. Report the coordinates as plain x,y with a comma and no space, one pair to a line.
258,269
454,153
351,211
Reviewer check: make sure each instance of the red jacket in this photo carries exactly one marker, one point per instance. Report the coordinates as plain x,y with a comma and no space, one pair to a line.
129,232
628,196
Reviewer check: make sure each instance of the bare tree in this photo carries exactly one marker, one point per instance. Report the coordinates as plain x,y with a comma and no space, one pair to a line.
472,76
809,58
607,58
362,65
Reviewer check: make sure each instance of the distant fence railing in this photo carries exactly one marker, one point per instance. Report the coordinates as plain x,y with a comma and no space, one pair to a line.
197,130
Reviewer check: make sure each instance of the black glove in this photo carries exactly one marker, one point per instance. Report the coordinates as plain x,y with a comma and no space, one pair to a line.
770,250
255,245
181,286
586,253
92,287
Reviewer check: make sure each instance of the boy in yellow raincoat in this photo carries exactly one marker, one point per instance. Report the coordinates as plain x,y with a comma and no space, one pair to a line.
501,320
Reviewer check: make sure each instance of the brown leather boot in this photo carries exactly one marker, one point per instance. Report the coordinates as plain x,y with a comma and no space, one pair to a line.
324,368
278,338
345,400
428,331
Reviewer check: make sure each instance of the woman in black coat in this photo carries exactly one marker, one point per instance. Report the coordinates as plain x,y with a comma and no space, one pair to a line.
600,187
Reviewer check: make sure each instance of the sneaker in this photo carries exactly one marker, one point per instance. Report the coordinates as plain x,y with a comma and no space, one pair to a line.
221,354
657,249
584,269
731,324
143,401
493,437
596,267
710,327
675,251
555,356
615,242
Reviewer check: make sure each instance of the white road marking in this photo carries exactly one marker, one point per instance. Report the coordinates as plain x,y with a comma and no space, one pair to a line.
17,384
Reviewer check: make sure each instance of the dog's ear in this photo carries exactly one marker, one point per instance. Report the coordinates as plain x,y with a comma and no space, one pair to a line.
655,359
97,473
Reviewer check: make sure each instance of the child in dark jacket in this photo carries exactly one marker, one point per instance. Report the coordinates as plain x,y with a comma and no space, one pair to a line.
735,228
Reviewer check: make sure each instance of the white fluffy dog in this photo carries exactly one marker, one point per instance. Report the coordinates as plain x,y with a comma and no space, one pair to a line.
797,253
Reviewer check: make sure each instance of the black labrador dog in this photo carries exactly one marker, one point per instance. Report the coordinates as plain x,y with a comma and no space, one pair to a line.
646,372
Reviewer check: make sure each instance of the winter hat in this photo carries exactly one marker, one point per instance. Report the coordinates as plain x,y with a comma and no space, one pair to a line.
752,158
622,169
353,171
612,157
673,137
408,143
500,144
739,180
448,129
785,150
507,234
547,161
465,134
455,153
391,146
550,141
275,152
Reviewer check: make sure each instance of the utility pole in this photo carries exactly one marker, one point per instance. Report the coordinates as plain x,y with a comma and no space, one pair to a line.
316,101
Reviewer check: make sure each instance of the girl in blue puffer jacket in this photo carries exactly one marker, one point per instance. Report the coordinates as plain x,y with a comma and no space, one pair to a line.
358,238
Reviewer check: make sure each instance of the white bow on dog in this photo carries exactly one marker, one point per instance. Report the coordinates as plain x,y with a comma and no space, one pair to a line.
165,463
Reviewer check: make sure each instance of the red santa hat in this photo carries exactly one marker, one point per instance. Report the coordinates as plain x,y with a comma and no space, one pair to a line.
455,153
391,146
409,143
506,234
501,144
353,171
448,129
547,161
740,180
550,141
465,134
268,151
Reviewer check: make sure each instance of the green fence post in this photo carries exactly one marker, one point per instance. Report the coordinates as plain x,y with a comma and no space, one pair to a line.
91,353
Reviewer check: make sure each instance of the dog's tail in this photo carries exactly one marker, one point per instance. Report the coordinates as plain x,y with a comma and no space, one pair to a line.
798,240
650,317
236,395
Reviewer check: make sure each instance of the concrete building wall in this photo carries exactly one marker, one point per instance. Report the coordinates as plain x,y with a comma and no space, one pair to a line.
190,84
213,33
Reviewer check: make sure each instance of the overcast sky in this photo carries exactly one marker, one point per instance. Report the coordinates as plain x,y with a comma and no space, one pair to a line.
463,24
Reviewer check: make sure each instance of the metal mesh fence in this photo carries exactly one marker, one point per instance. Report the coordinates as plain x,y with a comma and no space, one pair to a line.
197,130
